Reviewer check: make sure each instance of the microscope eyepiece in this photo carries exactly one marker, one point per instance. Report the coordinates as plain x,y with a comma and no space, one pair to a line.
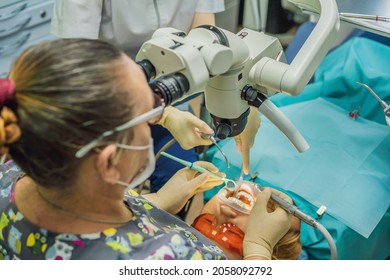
170,87
148,68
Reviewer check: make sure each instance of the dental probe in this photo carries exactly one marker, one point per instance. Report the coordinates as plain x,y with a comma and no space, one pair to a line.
197,168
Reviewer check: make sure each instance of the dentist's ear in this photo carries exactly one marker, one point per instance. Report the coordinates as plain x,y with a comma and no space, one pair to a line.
106,165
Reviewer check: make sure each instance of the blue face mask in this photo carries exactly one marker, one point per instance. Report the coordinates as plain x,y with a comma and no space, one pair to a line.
145,172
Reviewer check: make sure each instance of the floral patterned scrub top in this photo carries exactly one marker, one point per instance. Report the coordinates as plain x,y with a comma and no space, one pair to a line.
152,233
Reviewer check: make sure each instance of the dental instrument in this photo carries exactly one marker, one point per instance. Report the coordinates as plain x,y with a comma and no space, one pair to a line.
386,107
295,211
364,16
198,168
214,141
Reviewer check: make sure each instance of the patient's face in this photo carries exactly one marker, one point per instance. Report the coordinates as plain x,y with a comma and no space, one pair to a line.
230,208
224,217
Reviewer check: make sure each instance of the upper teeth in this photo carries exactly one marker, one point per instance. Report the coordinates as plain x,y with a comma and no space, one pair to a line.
235,199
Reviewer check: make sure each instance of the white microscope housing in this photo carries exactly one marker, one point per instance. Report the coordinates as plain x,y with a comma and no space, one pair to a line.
237,70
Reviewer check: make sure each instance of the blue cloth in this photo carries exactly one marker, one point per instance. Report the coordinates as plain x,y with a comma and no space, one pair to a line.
345,169
361,174
358,60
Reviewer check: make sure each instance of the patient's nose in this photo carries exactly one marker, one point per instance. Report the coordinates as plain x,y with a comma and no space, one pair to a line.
227,212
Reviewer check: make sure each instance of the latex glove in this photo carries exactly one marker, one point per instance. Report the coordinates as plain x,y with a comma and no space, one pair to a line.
185,127
245,140
265,229
183,185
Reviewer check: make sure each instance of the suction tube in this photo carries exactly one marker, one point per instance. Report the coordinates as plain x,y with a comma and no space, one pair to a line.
275,115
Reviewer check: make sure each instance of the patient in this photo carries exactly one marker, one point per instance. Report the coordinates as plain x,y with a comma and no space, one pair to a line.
224,218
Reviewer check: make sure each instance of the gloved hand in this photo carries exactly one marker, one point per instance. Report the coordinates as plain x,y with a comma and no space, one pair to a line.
185,127
245,140
183,185
265,229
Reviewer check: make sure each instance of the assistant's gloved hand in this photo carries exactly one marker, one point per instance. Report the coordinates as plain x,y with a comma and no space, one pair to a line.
185,127
245,140
265,229
183,185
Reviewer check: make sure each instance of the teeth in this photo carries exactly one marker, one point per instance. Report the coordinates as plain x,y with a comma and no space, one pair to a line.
247,196
237,202
224,192
240,203
242,193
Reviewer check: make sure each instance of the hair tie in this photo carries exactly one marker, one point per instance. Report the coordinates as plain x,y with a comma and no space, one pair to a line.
7,91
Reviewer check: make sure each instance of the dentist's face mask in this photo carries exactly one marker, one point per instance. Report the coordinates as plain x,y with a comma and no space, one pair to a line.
145,172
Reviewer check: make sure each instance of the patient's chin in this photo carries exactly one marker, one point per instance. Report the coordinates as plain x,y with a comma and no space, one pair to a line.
227,211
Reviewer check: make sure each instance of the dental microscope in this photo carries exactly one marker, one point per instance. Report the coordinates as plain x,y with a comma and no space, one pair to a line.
236,71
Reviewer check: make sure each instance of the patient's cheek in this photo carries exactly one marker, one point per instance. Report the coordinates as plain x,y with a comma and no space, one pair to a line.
212,206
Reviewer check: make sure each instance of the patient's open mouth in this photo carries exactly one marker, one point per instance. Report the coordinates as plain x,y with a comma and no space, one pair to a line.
242,199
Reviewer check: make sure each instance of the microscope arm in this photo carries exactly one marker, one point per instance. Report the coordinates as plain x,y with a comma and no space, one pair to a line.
291,79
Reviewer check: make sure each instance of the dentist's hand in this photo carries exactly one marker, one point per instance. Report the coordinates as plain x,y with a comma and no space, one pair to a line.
183,185
265,229
245,140
185,127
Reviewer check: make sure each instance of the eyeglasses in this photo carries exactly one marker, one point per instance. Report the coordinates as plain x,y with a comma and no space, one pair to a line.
152,117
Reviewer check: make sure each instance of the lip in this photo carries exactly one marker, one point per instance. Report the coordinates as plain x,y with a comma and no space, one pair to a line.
242,199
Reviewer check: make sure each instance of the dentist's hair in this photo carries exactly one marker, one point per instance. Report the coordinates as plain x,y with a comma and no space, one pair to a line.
65,93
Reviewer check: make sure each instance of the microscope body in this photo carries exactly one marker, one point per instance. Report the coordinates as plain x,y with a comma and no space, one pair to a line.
237,70
222,93
218,66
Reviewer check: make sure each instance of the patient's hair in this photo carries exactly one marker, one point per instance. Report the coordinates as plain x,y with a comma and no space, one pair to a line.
289,247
